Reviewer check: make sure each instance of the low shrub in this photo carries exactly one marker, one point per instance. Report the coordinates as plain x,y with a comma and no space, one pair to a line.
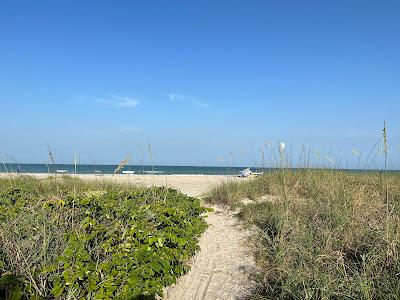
64,238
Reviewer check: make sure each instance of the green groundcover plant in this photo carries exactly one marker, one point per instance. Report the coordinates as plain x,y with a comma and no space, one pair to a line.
65,238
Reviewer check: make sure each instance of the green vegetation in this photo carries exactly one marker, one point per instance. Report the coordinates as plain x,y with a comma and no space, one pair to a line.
71,239
322,234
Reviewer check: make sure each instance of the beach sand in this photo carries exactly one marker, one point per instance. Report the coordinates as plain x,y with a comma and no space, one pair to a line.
223,267
191,185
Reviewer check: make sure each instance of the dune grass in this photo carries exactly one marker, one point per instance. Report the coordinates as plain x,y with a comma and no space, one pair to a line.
73,239
326,234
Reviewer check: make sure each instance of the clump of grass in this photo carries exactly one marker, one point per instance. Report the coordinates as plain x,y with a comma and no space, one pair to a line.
326,237
231,192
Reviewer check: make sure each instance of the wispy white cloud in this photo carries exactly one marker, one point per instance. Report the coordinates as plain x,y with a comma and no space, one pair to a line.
199,103
118,101
178,98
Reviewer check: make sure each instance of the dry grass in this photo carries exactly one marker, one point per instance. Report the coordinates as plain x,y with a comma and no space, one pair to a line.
329,236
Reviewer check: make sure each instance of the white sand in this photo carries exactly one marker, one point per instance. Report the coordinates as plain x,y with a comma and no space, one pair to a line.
192,185
220,269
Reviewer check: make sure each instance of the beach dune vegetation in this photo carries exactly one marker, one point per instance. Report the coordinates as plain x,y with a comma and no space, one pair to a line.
321,234
72,239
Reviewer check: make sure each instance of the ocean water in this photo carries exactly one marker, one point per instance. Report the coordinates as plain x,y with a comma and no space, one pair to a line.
159,170
109,169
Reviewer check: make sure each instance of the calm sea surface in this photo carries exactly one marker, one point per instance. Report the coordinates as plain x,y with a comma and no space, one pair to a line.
109,169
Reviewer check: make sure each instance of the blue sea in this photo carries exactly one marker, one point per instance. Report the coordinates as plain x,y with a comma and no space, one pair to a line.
146,169
109,169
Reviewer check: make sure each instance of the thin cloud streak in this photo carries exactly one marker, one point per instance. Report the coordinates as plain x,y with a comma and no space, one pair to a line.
118,101
178,98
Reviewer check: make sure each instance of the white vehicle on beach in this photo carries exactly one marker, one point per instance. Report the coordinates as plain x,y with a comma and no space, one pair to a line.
245,173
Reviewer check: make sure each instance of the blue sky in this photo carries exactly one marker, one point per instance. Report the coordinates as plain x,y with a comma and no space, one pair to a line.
197,79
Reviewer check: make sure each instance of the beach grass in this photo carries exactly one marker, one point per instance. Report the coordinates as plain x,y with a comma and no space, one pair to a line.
321,234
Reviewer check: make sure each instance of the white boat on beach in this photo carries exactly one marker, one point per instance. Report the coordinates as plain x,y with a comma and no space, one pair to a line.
128,172
62,171
154,172
245,173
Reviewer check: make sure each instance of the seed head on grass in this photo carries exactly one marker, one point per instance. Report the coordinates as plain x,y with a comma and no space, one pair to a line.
355,152
282,147
121,165
384,135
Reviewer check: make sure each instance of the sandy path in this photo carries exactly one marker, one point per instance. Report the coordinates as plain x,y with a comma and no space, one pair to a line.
220,269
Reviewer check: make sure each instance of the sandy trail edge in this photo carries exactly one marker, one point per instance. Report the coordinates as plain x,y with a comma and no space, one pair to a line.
220,270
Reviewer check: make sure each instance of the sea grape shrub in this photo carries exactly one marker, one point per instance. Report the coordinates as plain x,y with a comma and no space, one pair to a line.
102,244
